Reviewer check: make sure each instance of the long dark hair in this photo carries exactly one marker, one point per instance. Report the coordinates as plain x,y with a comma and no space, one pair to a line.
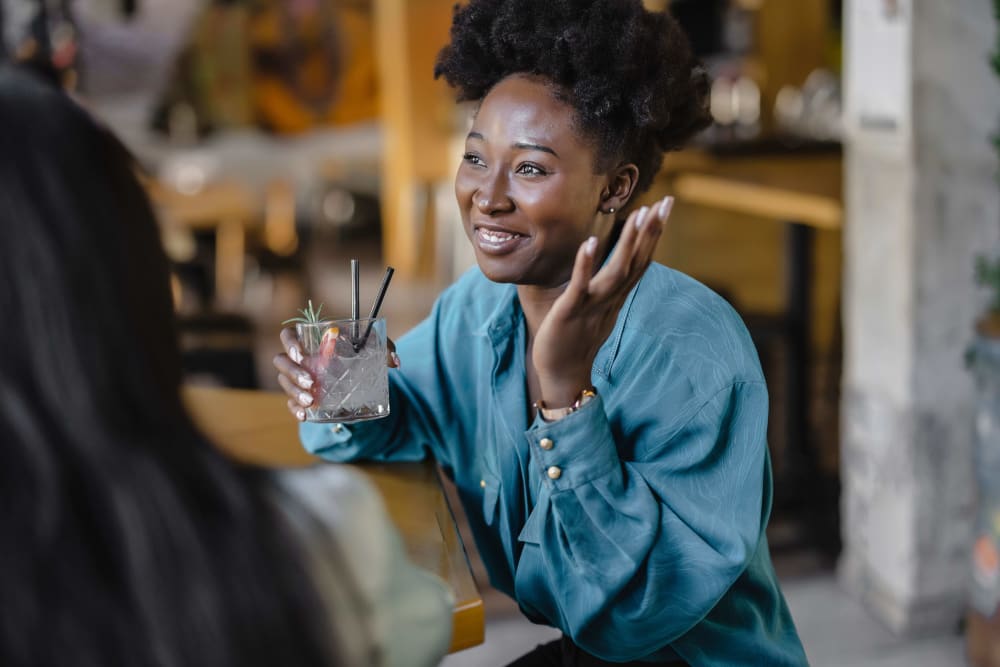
125,537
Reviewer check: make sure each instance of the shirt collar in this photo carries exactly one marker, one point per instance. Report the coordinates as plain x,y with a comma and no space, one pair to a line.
498,325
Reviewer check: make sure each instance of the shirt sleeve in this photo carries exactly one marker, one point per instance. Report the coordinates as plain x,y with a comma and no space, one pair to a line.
634,553
417,408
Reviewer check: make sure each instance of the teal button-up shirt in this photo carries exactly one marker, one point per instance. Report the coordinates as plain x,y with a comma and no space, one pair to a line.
637,527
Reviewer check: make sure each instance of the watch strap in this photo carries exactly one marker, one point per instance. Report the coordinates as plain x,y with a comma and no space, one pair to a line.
555,414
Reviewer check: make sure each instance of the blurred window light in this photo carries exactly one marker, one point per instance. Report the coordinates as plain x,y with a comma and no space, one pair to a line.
338,207
721,102
746,101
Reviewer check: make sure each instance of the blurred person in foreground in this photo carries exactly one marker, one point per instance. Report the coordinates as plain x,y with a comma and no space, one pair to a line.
604,417
128,539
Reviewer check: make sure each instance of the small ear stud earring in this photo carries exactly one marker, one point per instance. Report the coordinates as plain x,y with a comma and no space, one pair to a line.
611,210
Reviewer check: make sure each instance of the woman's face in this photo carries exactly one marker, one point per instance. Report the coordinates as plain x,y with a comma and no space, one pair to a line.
526,186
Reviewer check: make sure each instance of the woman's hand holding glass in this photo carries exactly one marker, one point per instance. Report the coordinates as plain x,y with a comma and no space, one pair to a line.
297,381
583,316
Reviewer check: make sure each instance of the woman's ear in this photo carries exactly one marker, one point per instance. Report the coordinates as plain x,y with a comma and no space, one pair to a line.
620,188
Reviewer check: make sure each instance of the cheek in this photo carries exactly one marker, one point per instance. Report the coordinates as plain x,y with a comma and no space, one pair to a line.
559,215
464,187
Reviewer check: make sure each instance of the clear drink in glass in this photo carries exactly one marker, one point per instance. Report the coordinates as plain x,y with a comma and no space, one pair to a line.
347,360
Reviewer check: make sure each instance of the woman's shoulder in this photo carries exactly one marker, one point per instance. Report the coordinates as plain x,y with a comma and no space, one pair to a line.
692,323
381,604
681,294
334,491
334,502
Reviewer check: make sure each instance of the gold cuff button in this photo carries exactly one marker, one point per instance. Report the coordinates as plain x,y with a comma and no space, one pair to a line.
482,483
546,443
554,472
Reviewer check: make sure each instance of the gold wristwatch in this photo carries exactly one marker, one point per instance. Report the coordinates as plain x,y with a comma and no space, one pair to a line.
555,414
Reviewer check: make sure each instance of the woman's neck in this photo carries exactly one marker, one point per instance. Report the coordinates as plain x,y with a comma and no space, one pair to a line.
536,303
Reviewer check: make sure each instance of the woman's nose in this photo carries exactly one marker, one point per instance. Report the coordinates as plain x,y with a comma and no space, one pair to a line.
493,205
492,197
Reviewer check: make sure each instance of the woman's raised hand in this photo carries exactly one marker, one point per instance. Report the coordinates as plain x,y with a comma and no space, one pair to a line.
297,381
582,318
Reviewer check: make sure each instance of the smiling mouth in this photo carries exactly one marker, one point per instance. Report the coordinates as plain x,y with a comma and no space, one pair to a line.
495,242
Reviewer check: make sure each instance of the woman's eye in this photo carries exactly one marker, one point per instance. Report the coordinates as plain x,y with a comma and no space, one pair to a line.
528,169
472,158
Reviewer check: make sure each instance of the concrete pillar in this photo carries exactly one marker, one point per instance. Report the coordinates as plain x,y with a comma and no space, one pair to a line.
922,200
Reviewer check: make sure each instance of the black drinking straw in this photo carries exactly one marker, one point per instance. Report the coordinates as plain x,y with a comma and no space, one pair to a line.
355,295
355,300
376,305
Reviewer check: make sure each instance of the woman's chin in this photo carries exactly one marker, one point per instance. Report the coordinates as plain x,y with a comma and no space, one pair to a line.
506,270
498,271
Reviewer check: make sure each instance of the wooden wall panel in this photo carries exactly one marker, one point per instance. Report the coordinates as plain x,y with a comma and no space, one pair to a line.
417,114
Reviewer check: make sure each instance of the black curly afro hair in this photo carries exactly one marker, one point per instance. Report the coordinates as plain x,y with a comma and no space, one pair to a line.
629,73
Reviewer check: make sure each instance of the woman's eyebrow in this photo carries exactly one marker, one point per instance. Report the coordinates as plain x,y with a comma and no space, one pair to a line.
523,145
534,147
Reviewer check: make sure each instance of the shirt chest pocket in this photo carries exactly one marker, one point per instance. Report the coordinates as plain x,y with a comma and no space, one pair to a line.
531,532
490,482
491,495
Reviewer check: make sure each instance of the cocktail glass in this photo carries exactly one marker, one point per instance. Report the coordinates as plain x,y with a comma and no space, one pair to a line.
347,360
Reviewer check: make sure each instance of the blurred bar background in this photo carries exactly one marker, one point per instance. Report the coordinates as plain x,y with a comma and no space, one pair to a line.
838,202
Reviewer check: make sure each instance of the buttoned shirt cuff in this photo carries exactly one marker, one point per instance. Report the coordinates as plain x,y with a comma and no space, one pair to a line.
576,449
332,442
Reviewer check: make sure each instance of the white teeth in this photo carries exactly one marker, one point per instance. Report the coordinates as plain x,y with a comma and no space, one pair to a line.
496,237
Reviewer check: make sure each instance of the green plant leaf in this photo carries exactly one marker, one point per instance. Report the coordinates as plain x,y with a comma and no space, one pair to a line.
309,315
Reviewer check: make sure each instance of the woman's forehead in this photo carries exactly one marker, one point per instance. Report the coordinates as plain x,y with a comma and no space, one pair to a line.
526,108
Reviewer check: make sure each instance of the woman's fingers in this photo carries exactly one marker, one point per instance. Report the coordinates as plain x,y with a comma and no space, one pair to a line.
290,341
293,379
296,410
634,250
650,235
301,397
648,244
583,270
291,370
616,271
392,359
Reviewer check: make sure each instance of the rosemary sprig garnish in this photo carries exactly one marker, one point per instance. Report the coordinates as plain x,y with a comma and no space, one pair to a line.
309,315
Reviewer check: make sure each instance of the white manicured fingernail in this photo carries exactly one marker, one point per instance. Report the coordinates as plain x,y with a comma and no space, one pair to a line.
591,247
294,353
640,218
666,207
305,399
305,381
300,415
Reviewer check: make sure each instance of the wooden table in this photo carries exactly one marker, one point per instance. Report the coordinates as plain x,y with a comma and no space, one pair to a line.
804,192
255,427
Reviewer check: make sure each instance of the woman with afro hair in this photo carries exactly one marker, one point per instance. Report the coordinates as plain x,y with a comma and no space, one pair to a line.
603,416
